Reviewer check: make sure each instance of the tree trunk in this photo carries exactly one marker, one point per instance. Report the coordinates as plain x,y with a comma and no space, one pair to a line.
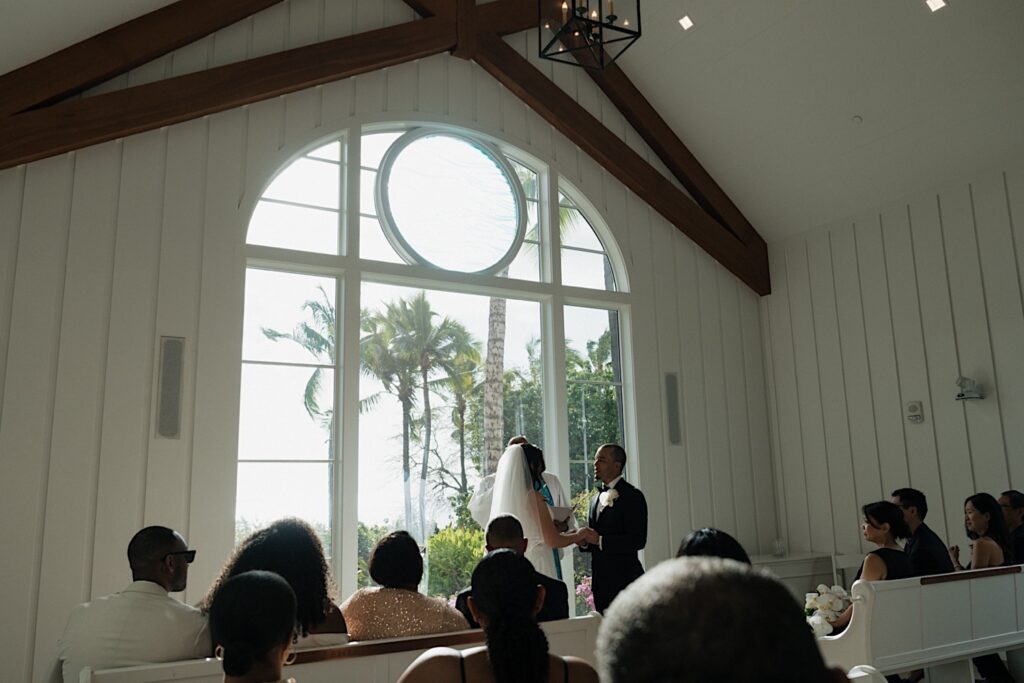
406,419
463,485
494,386
426,456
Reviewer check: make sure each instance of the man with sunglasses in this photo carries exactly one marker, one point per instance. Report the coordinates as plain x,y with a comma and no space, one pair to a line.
142,624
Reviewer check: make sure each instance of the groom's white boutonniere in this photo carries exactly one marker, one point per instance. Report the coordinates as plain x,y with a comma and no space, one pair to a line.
607,498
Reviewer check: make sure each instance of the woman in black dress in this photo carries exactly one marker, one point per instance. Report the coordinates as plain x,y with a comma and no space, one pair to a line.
884,526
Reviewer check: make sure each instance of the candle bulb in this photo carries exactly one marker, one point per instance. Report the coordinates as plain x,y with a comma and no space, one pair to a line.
611,6
565,12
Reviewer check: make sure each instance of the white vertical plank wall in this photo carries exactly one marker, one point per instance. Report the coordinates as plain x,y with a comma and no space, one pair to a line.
104,250
920,292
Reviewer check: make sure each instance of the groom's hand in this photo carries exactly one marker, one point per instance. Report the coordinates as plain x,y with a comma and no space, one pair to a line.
589,536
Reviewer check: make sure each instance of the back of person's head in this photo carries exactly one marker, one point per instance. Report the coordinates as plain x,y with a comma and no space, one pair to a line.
252,616
986,504
707,620
159,554
505,594
290,548
912,498
709,542
534,461
395,562
505,531
884,512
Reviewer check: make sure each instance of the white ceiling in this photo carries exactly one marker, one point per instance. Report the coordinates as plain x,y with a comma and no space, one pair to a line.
764,92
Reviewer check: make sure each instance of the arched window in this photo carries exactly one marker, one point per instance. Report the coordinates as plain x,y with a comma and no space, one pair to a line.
413,299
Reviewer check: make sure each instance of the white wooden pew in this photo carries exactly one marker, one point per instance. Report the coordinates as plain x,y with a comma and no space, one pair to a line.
934,622
378,661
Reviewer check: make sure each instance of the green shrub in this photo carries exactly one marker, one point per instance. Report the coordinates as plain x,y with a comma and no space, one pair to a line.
452,554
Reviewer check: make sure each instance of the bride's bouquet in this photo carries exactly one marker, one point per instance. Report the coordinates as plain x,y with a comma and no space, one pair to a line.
823,606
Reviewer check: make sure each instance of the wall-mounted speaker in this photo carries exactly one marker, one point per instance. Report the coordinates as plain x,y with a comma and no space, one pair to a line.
675,434
170,384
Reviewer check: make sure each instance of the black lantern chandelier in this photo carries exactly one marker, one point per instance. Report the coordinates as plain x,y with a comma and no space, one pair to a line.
587,33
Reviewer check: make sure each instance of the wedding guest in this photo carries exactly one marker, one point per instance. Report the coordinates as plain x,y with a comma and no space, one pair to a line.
984,523
396,609
884,526
142,624
290,548
709,542
927,552
505,531
252,621
1012,502
505,600
690,619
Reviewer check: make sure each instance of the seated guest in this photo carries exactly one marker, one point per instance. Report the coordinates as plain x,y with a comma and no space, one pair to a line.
1012,503
984,523
883,525
142,624
708,542
505,600
396,609
290,548
505,531
252,622
928,554
706,619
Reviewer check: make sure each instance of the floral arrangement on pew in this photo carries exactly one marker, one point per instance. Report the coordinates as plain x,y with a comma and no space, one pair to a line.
823,606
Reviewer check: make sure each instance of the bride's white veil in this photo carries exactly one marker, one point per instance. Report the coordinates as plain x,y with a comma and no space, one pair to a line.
513,492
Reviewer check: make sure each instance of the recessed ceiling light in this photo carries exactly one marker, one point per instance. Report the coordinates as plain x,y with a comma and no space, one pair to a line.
687,23
935,5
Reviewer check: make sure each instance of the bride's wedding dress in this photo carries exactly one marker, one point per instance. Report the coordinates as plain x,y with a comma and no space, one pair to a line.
514,494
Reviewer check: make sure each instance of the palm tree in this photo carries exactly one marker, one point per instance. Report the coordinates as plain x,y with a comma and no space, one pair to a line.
430,346
398,376
318,338
459,385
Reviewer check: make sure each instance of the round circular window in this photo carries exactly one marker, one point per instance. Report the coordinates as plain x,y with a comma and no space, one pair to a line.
450,201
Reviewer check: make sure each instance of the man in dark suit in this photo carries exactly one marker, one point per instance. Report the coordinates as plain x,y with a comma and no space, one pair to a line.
925,550
616,528
1013,512
505,531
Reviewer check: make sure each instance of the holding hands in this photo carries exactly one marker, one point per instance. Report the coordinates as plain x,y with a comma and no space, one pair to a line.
587,536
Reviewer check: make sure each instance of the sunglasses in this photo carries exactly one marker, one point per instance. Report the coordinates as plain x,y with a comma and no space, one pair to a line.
190,555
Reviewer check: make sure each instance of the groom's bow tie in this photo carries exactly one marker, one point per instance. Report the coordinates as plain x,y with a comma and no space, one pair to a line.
602,488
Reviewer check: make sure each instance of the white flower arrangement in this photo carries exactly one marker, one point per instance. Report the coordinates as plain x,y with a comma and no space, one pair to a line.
607,498
824,606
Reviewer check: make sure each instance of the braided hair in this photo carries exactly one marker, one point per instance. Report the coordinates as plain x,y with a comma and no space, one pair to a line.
505,592
252,613
288,547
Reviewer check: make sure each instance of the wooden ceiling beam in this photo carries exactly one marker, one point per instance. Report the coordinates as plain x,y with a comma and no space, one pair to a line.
118,50
79,123
582,128
674,154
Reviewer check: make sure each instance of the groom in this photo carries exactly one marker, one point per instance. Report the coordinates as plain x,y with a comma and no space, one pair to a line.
616,528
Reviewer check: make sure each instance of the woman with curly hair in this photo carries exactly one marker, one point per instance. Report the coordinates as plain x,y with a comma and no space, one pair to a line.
505,601
290,548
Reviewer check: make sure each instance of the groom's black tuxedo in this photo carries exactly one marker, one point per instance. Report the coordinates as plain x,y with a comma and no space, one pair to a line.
623,530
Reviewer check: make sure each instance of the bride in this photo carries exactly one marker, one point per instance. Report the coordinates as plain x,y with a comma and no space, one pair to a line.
520,490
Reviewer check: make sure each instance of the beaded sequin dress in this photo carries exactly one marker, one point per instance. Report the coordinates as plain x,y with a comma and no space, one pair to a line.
376,613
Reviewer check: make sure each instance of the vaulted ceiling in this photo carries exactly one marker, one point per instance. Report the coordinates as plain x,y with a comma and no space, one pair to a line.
803,111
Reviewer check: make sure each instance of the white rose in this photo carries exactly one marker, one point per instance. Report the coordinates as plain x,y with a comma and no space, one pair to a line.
819,625
822,588
811,601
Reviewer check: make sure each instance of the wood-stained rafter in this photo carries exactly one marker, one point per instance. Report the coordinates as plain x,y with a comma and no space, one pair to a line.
469,31
113,52
78,123
563,112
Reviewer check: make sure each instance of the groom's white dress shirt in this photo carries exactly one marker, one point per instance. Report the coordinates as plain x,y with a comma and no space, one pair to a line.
140,625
